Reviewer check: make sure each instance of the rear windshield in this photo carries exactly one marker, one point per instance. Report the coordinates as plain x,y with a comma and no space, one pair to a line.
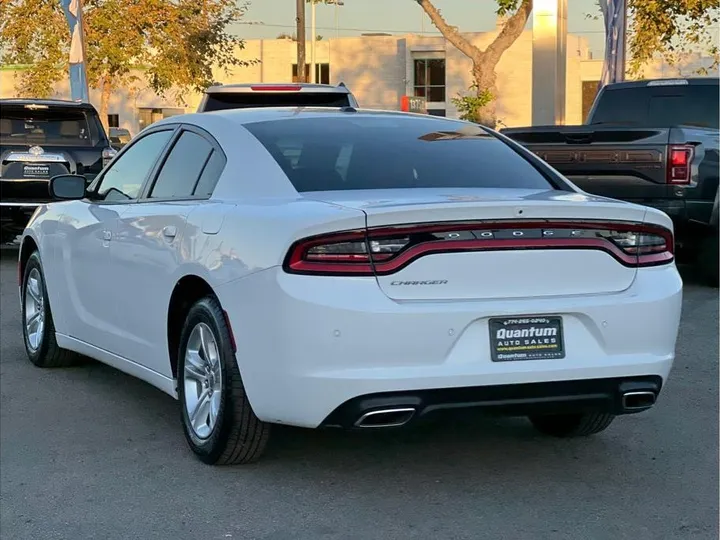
241,100
351,152
48,126
659,106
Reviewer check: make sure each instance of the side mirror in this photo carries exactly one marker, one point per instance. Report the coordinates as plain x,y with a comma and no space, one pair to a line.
67,187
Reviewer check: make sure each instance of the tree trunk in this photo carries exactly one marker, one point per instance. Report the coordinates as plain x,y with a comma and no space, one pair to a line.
105,94
485,78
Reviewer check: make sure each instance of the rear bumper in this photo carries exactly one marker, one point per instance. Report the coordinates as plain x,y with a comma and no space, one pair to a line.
556,397
308,345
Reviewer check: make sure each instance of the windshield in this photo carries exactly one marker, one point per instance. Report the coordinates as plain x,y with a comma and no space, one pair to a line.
48,126
659,106
387,152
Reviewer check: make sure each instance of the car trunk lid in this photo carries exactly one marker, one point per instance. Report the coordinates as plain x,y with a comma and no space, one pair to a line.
491,243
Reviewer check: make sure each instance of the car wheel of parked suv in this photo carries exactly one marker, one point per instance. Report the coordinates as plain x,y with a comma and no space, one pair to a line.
572,425
38,327
219,423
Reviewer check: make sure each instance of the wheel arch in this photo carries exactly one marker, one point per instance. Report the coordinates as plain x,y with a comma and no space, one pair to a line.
27,248
189,289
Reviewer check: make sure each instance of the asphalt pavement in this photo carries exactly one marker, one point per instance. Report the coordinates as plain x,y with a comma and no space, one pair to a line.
90,453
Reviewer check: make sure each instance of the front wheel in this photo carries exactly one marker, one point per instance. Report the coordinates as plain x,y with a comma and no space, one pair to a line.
572,425
38,327
219,423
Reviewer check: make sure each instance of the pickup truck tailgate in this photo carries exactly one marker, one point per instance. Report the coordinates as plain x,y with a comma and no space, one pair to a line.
620,163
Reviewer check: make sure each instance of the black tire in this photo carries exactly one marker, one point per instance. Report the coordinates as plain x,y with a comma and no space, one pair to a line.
238,436
47,354
709,259
572,425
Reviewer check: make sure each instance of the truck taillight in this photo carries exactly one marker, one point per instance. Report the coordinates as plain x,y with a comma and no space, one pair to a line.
678,164
107,155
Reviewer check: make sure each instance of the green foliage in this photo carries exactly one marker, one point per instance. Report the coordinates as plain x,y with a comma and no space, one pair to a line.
469,107
176,42
672,28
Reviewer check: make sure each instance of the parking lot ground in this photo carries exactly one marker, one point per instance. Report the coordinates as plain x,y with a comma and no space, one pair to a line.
89,452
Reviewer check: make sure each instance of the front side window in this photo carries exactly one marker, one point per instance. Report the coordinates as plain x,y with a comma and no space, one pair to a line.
347,152
122,182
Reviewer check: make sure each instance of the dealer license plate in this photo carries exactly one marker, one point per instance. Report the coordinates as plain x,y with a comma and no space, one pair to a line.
526,338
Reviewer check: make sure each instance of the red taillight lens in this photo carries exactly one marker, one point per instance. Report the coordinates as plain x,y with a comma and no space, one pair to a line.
386,251
678,166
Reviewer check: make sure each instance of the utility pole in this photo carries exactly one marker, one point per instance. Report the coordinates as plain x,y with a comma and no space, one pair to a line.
313,39
300,31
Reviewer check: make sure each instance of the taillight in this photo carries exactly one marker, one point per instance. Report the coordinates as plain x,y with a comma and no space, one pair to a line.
678,164
107,155
383,251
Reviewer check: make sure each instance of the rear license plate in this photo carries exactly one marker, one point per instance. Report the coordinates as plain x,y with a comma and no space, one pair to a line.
36,171
526,338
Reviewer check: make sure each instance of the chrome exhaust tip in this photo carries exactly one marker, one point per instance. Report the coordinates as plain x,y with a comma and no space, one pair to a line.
637,401
385,418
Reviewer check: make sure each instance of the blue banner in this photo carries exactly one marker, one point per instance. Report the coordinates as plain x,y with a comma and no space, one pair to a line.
78,77
614,13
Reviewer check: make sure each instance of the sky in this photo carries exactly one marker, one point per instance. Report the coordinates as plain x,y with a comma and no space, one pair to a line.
268,18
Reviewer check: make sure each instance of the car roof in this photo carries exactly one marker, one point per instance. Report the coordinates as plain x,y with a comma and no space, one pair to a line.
265,114
46,102
676,81
277,87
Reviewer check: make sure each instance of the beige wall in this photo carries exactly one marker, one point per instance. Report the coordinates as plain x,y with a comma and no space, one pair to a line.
379,71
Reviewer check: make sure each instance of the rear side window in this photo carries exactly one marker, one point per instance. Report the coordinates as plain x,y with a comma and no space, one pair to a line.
218,101
183,167
351,152
210,175
659,106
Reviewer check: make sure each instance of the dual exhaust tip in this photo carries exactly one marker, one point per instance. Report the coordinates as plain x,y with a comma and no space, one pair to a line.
399,416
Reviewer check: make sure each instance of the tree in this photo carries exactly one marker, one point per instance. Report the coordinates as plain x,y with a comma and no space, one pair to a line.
481,106
670,28
169,43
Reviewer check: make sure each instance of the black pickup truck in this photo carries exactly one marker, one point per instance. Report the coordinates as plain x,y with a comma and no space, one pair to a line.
654,143
40,139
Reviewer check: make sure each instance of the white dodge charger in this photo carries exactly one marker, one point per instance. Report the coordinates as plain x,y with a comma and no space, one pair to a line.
361,269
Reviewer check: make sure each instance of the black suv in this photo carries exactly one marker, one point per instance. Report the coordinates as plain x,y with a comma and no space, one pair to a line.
40,139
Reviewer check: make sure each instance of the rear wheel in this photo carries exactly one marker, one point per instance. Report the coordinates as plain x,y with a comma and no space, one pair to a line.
572,425
219,423
38,327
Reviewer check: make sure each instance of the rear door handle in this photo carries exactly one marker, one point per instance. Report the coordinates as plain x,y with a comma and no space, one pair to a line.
170,231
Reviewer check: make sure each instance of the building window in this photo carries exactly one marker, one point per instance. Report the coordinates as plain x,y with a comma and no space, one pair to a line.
148,115
589,91
113,120
322,73
429,79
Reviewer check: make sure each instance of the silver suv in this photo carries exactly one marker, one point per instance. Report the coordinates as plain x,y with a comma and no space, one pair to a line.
241,96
